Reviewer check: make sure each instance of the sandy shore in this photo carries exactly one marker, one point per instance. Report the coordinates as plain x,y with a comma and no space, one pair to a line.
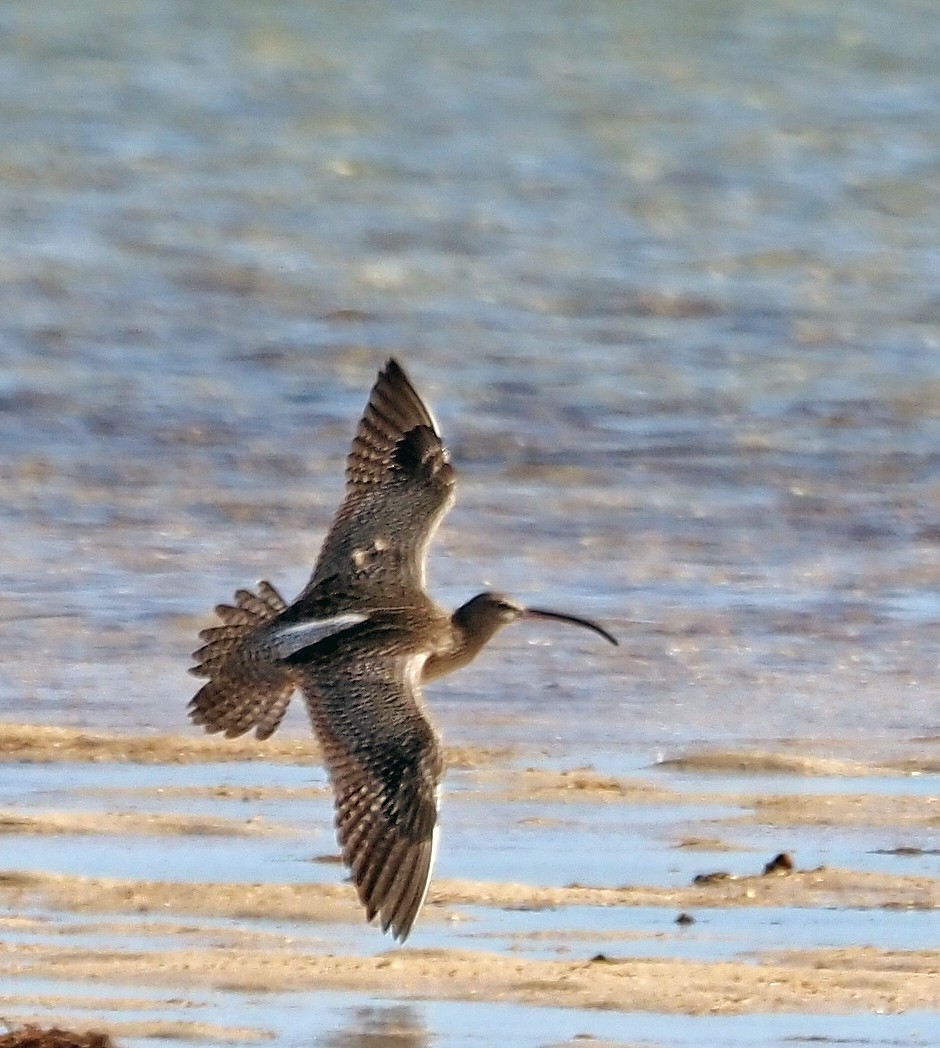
809,981
751,762
43,744
49,744
134,823
184,943
331,902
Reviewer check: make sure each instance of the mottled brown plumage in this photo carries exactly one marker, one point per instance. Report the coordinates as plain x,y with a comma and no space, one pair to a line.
247,687
358,642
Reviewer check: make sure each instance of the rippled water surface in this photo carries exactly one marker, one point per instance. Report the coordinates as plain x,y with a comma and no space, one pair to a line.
667,276
667,273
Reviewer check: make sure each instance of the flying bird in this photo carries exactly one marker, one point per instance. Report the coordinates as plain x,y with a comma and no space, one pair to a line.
358,643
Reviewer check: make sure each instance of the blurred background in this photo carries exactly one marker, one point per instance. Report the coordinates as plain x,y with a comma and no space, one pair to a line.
665,270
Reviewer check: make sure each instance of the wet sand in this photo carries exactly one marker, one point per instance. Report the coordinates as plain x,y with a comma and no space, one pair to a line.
811,981
238,937
132,823
50,744
819,887
805,980
759,762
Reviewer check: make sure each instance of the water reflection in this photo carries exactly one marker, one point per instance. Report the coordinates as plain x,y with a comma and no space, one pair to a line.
398,1026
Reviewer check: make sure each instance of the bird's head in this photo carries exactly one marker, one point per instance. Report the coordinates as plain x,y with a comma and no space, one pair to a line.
486,613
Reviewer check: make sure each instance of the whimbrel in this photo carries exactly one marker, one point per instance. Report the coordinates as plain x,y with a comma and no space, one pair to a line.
359,642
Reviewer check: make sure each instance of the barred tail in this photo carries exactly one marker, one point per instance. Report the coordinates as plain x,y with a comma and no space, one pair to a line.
249,686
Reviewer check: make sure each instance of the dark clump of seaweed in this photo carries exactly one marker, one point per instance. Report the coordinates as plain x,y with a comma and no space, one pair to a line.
30,1036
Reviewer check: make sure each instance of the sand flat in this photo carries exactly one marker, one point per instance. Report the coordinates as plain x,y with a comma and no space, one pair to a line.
822,887
240,936
750,761
52,823
48,744
880,980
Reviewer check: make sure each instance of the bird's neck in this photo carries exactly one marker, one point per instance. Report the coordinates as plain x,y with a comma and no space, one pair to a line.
468,640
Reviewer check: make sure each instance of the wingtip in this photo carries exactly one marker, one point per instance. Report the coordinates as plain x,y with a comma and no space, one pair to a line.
393,373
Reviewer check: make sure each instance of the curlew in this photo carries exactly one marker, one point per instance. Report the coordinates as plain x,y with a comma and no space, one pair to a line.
358,643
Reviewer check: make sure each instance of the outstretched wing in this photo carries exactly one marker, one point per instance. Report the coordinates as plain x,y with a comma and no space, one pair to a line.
394,409
385,765
399,484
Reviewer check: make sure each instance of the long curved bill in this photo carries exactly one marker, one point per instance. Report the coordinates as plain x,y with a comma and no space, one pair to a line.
544,613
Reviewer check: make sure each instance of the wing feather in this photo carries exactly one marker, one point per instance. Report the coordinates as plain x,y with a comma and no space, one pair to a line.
394,408
384,762
399,485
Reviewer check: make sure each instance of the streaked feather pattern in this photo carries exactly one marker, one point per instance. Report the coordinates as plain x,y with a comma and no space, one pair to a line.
349,643
357,642
385,764
248,687
399,485
394,409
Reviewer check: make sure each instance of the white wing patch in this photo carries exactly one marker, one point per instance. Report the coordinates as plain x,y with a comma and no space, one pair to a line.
291,639
364,557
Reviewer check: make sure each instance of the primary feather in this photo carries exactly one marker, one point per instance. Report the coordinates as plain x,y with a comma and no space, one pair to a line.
348,643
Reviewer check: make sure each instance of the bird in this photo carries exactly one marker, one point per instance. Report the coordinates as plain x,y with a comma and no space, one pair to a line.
358,643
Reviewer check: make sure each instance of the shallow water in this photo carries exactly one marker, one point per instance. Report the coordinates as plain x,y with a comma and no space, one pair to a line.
353,1021
667,278
486,836
669,284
